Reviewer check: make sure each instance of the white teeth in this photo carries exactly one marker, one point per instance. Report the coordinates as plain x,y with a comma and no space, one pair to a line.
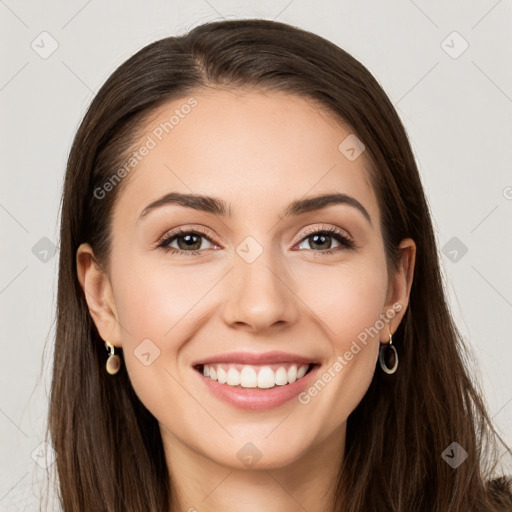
292,374
266,378
248,378
221,375
233,377
282,376
251,377
302,371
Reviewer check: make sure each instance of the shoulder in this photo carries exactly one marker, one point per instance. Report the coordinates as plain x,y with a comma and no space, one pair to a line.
500,492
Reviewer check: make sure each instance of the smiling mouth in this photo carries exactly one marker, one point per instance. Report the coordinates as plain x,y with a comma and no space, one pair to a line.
255,376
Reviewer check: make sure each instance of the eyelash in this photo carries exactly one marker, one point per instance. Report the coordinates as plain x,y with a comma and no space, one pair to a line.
331,232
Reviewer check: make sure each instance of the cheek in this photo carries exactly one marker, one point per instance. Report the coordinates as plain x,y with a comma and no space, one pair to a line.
158,310
154,300
348,302
346,299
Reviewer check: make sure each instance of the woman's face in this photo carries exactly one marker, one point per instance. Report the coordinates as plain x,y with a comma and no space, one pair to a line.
256,279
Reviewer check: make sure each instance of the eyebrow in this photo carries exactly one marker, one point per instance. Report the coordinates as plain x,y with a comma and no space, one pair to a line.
219,207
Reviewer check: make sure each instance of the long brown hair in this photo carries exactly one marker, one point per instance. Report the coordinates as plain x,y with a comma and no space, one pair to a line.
110,455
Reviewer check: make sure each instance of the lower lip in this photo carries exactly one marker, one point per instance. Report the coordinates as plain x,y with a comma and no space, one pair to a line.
257,399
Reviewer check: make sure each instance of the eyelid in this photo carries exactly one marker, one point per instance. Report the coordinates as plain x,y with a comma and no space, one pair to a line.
183,230
325,228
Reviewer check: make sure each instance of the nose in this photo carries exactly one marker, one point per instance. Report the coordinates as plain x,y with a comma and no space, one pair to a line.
259,295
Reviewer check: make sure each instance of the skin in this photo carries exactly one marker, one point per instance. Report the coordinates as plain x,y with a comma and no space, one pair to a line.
258,152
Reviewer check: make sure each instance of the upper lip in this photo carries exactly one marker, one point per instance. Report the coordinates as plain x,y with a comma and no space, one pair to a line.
255,359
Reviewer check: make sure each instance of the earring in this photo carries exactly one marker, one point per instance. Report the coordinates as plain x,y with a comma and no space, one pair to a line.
388,356
113,361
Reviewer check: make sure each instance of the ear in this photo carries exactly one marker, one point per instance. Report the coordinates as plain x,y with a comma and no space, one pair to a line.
399,288
98,294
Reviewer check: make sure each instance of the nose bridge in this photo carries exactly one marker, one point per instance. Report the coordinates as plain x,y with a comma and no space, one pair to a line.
259,294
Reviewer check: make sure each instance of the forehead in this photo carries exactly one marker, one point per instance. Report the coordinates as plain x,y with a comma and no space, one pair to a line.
251,148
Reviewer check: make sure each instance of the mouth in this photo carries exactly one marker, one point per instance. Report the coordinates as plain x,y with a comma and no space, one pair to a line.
256,382
249,376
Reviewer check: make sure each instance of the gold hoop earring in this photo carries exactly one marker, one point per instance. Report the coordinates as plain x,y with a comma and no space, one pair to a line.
388,357
113,361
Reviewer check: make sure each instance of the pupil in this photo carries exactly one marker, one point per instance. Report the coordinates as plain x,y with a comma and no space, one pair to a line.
189,242
322,237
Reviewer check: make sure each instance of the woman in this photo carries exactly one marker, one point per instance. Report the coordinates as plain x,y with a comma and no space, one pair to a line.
249,294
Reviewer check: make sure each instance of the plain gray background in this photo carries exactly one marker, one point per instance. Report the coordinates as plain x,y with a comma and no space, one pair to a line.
445,66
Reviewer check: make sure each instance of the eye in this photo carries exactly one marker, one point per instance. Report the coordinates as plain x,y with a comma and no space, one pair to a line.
320,240
189,242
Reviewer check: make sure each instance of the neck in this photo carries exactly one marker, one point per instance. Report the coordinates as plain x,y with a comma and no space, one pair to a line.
307,483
